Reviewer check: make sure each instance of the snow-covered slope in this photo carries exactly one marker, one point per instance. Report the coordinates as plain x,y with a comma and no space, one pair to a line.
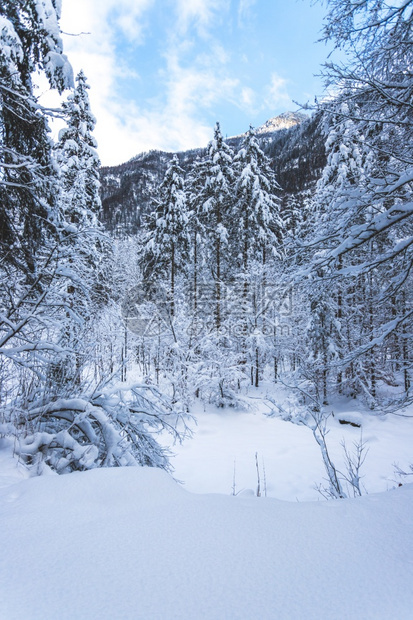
282,121
122,544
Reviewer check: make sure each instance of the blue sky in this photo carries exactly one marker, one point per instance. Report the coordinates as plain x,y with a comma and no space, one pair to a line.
162,72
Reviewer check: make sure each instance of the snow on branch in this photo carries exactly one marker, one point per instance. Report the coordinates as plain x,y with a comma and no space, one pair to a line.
114,428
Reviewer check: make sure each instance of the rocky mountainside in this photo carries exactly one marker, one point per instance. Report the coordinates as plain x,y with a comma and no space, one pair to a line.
283,121
292,140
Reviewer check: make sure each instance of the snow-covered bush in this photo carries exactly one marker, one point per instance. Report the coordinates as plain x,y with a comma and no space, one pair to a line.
115,427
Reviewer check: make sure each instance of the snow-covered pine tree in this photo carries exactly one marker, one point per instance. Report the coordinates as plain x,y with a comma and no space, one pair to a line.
210,188
259,226
319,349
29,215
217,200
78,159
294,216
29,41
195,191
336,207
84,250
79,163
167,240
256,233
349,159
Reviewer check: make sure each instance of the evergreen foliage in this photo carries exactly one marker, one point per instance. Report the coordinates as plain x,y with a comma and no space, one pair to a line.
166,244
52,401
257,209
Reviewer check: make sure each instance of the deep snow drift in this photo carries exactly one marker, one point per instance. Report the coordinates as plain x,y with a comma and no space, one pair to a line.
130,543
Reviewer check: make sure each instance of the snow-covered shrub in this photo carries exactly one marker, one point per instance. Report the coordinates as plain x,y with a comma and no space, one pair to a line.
115,427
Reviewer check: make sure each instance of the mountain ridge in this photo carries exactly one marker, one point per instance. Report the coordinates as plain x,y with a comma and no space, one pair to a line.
279,122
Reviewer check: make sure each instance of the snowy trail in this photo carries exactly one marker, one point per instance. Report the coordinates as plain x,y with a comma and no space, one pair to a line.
132,544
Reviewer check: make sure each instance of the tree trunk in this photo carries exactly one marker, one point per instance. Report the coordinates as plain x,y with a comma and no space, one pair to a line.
257,373
172,301
371,362
124,356
339,317
405,349
195,280
218,284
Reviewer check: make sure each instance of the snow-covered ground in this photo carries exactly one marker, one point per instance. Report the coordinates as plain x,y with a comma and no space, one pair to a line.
224,439
131,544
134,544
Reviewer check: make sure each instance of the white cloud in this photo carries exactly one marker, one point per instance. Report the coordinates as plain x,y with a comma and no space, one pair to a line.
276,94
95,53
248,99
191,82
98,16
244,11
197,86
199,13
173,119
155,128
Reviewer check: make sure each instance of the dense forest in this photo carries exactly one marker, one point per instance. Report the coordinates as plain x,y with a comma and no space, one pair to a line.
286,257
293,142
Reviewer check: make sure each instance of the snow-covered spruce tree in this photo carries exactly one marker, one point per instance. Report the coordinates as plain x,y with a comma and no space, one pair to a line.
217,198
376,247
164,260
218,375
195,191
256,232
94,425
81,246
29,230
29,41
349,297
294,216
215,375
259,227
78,159
167,240
349,159
321,342
83,243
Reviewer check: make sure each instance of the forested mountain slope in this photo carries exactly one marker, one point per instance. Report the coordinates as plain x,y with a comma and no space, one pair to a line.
292,141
